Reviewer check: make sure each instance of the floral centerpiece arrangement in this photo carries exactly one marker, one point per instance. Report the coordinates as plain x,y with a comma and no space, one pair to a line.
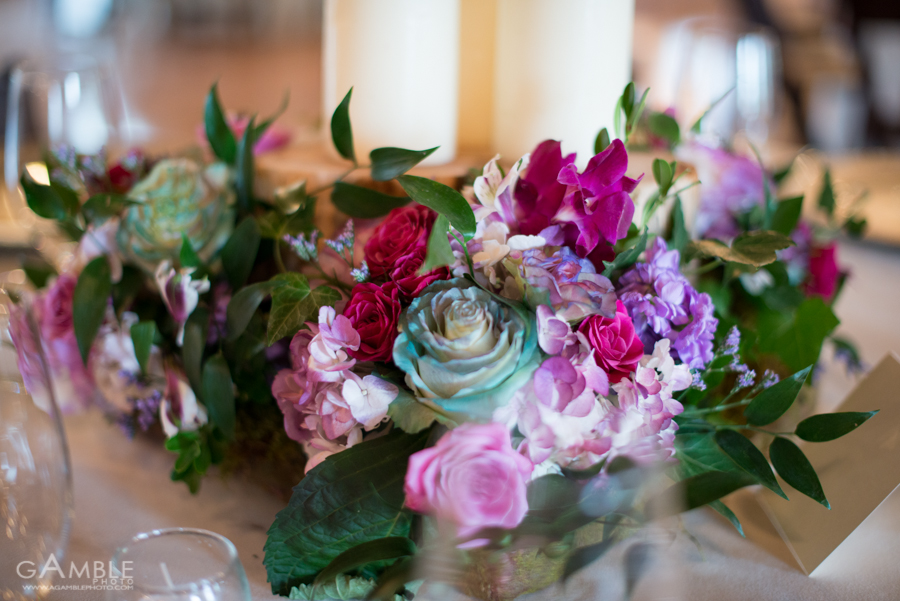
489,366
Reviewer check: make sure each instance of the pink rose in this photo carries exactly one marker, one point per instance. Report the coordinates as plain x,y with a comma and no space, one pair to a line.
617,348
823,271
373,312
471,477
402,234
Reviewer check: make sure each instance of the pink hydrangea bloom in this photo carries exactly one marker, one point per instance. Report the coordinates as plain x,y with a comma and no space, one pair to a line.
472,477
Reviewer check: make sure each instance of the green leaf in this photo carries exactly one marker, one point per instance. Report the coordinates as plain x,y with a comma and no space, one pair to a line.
89,303
364,203
602,141
410,415
662,173
680,236
771,403
793,466
352,497
294,303
438,252
826,196
723,509
584,556
798,340
38,271
663,126
243,305
391,580
343,588
142,335
751,248
218,394
855,227
699,453
264,125
787,214
745,454
102,206
244,173
195,334
388,163
701,490
781,174
698,124
443,199
341,132
239,253
188,257
45,201
221,138
627,257
829,426
381,549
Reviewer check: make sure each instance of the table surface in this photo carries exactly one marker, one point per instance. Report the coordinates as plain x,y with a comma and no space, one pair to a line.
122,487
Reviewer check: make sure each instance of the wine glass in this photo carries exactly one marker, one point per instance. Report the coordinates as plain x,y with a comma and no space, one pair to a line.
69,101
178,564
35,473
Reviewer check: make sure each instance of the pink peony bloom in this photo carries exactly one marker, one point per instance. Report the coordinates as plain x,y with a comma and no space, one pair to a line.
374,311
472,477
823,271
617,348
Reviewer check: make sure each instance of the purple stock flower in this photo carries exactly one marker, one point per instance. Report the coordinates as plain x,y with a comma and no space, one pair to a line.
664,304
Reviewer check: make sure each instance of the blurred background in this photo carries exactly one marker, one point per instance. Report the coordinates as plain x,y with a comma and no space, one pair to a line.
823,74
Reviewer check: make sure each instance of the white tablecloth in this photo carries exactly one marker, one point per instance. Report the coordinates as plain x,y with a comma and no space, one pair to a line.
123,487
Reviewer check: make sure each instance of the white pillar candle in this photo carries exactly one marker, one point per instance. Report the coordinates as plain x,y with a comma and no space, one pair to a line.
402,59
560,67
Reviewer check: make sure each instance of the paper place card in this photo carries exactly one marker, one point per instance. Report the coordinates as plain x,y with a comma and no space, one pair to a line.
860,474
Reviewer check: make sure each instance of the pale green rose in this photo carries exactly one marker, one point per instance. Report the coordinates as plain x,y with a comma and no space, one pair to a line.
464,349
177,196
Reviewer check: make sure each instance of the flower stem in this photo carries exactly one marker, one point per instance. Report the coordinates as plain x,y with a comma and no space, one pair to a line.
279,263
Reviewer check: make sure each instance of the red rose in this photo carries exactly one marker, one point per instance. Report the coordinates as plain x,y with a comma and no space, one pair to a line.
617,348
406,277
402,234
823,271
374,311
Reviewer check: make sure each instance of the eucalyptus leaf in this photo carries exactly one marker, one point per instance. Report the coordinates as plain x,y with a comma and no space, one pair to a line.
829,426
239,253
793,466
89,301
142,335
771,403
388,163
745,454
443,199
341,131
218,394
218,133
352,497
364,203
438,253
243,305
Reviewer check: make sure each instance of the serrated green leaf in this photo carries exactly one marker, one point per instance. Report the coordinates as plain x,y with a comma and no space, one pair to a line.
352,497
187,256
220,137
746,455
388,163
218,394
244,168
442,199
627,257
829,426
381,549
364,203
89,301
787,214
826,196
341,131
771,403
602,141
239,253
663,126
438,252
793,466
142,335
243,305
294,303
